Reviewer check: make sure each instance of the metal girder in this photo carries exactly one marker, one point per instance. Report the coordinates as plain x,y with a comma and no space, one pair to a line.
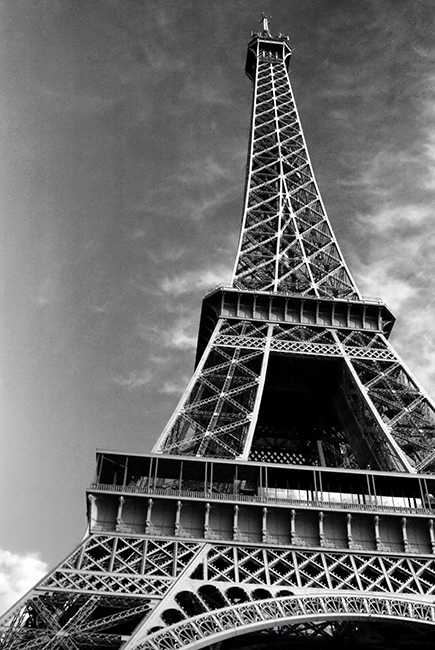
241,619
286,243
98,595
214,416
70,621
218,414
276,569
408,413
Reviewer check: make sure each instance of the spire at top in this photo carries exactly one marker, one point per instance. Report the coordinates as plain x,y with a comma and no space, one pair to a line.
265,20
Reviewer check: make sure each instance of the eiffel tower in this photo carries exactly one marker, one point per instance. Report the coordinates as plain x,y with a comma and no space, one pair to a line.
288,502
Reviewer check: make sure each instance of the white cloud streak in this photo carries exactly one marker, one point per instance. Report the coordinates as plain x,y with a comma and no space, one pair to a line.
134,379
399,235
190,281
18,574
175,387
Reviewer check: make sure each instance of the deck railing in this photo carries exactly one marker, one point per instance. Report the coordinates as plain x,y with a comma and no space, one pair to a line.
263,499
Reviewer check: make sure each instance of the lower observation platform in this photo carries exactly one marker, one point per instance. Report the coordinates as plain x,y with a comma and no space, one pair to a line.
263,503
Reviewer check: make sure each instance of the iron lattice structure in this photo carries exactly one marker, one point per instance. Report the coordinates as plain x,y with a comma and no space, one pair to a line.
288,502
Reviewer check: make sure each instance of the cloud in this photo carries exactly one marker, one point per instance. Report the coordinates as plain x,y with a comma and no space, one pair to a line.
190,281
206,207
206,170
429,130
400,254
134,379
182,335
86,103
181,338
18,574
204,92
175,387
398,235
177,330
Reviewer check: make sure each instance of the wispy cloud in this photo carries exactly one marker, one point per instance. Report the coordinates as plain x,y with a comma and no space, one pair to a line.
181,334
398,231
134,379
207,170
87,102
190,281
205,207
178,333
18,574
214,93
175,387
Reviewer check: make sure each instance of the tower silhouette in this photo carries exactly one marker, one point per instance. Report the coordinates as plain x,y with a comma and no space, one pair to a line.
288,502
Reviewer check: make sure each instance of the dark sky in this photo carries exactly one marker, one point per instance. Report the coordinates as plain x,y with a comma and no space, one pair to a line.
124,132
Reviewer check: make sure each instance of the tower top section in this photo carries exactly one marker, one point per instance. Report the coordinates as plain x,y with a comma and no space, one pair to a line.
263,43
286,244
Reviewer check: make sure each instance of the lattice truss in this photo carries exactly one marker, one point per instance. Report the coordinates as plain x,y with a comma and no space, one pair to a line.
286,244
273,568
407,413
98,595
235,586
215,414
142,592
218,415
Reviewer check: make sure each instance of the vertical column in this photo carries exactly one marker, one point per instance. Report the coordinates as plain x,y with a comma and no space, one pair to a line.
264,536
405,535
236,531
207,520
92,511
178,518
349,530
321,531
148,516
259,395
432,535
119,521
377,534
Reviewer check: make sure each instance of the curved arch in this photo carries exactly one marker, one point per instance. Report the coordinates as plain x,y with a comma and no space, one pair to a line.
171,616
218,625
236,595
212,596
261,594
190,603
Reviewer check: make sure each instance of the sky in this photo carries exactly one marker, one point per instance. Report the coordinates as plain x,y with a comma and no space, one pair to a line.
124,129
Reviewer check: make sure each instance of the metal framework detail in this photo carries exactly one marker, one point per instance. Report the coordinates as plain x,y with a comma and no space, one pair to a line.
317,569
286,244
212,627
218,414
